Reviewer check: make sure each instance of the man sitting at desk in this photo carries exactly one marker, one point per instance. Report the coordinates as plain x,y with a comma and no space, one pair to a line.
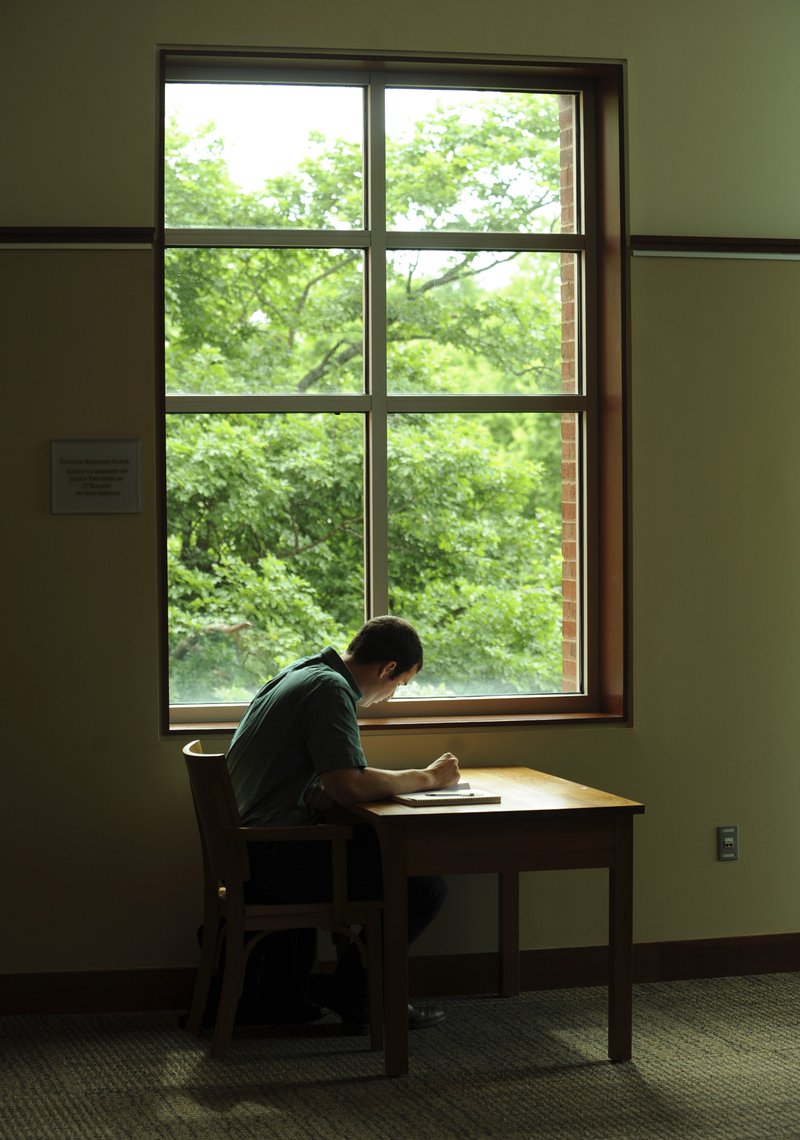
296,752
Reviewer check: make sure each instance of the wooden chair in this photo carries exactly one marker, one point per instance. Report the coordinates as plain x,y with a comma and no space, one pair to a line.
226,868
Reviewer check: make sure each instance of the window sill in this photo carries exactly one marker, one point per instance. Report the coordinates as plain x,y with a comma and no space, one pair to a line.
433,723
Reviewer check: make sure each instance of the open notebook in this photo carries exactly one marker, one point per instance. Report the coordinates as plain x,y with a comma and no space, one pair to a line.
444,797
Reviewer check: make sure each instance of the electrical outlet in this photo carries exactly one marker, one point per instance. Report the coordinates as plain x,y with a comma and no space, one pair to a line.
728,842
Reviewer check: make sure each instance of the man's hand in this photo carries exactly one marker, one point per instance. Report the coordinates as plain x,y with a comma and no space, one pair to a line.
317,799
363,785
445,771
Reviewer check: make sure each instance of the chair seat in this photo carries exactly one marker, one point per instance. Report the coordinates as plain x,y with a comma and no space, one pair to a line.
355,913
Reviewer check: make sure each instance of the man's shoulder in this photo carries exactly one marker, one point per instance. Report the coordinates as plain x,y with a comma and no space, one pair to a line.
323,677
312,682
325,667
302,667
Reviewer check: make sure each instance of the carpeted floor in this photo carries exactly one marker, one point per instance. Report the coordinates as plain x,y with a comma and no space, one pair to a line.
717,1058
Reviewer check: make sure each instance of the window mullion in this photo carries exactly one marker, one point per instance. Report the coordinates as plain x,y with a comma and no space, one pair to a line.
376,473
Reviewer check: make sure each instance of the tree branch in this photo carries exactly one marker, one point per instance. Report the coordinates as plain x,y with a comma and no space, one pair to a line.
346,523
460,271
355,348
340,264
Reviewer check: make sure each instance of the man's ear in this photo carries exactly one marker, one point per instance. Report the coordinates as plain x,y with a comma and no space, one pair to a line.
388,669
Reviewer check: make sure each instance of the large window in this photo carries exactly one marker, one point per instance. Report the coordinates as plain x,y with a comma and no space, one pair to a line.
393,378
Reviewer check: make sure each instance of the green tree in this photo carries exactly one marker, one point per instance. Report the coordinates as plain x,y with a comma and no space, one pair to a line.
265,512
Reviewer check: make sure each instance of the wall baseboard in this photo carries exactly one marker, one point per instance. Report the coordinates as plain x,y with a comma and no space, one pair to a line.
115,991
564,968
97,991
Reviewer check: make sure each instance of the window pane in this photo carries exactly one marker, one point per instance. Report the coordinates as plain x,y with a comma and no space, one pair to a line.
265,546
481,508
274,156
264,320
480,322
477,160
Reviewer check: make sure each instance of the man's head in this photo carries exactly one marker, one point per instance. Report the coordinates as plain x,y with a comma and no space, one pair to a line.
385,653
384,639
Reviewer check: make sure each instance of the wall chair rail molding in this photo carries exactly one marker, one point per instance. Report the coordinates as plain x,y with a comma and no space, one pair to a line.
76,237
736,248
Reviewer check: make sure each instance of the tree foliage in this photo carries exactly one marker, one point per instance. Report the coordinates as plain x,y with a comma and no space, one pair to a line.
265,512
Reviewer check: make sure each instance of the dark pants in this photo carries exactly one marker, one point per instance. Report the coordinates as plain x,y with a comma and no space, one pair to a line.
301,872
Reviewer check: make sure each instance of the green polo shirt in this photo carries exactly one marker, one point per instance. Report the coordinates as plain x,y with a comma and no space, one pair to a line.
301,724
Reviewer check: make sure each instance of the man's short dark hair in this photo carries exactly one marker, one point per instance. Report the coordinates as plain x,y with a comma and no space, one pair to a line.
387,638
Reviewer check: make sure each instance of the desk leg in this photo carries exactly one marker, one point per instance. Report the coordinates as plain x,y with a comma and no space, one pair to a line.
395,957
508,891
620,981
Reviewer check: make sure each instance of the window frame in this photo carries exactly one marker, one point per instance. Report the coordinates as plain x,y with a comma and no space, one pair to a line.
601,403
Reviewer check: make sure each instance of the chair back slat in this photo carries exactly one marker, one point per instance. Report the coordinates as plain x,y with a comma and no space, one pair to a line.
215,808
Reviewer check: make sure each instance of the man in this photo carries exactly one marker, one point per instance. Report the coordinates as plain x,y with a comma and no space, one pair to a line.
296,753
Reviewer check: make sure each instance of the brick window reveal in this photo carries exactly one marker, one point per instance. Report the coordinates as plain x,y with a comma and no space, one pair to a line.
569,438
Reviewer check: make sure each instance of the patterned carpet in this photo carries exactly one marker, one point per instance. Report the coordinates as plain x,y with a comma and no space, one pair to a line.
717,1058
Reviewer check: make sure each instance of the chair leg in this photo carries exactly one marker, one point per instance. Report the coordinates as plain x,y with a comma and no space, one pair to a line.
375,981
205,971
230,992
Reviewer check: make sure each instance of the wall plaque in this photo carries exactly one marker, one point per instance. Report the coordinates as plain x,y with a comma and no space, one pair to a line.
95,476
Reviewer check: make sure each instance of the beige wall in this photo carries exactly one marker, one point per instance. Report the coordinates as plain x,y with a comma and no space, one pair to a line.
97,836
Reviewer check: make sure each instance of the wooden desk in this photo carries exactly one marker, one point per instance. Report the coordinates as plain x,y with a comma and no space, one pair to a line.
541,823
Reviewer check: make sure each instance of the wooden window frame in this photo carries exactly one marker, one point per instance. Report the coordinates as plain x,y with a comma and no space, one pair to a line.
602,404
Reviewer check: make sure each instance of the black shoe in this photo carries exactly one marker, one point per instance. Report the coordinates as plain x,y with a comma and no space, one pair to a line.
423,1016
352,1008
419,1017
257,1011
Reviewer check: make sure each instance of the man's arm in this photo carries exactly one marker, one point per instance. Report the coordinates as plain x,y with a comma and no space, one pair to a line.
363,785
